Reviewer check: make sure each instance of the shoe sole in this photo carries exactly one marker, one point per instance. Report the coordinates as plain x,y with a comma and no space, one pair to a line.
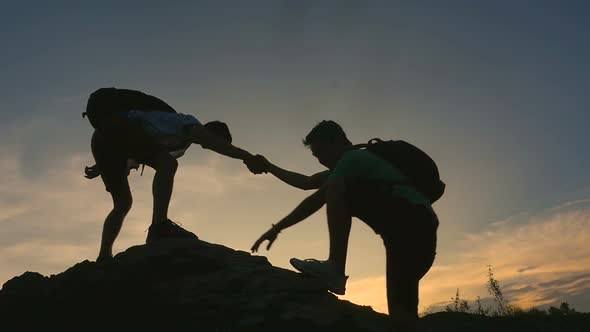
318,276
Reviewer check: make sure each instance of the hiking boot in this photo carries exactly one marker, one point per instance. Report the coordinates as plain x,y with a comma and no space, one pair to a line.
323,270
168,230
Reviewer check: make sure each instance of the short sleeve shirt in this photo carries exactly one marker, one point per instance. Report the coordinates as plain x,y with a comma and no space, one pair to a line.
165,128
364,164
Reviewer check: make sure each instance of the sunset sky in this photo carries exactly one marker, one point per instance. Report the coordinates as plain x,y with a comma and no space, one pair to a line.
495,91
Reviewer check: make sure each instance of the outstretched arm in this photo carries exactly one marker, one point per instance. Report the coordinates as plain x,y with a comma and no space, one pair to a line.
299,180
260,164
306,208
200,135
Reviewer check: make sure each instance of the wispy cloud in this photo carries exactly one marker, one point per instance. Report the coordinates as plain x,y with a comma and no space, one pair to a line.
50,222
540,259
47,223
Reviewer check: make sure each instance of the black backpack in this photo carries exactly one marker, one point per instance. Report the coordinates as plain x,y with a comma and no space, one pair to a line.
106,103
412,162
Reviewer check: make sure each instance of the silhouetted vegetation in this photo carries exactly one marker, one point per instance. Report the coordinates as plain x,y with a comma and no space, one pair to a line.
502,307
200,286
458,304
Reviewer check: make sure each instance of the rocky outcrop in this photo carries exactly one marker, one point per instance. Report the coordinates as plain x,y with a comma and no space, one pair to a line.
181,284
198,286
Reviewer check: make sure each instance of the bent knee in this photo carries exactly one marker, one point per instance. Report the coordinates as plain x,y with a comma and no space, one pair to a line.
122,204
122,208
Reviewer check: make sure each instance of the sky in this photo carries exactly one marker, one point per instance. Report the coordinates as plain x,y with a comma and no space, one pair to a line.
494,91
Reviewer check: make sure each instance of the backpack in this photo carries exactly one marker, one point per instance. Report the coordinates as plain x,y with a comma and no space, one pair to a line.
105,104
412,162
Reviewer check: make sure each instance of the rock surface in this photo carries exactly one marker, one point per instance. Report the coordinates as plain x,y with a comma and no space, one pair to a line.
198,286
181,284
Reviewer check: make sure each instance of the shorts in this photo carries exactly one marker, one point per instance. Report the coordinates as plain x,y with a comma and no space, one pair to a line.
408,230
111,153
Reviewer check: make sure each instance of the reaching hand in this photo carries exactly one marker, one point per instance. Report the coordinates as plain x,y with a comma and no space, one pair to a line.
270,236
257,164
90,172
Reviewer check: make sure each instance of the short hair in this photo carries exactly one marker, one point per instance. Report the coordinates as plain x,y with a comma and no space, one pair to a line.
327,130
219,129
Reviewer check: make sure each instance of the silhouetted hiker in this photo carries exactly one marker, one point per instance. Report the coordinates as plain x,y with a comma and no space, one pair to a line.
133,128
362,183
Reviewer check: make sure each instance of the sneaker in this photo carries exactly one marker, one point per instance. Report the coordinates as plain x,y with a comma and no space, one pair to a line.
168,230
324,271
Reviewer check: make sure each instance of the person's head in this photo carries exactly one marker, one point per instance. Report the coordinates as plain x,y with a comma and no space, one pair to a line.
327,142
220,130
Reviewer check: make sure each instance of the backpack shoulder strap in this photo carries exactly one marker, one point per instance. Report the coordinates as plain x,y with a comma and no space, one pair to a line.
369,143
374,141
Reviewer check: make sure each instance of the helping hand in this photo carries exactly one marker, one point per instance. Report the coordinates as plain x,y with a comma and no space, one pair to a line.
270,236
257,164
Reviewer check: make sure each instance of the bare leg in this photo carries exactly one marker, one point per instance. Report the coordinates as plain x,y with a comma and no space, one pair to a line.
122,201
339,223
165,166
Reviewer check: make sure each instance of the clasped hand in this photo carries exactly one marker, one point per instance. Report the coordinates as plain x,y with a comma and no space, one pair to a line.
258,164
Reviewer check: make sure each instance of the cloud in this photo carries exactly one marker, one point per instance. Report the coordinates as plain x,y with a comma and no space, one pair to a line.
49,222
52,131
564,282
526,268
540,259
46,221
50,217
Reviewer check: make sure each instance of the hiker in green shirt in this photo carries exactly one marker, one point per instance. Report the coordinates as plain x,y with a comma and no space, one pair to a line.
361,184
